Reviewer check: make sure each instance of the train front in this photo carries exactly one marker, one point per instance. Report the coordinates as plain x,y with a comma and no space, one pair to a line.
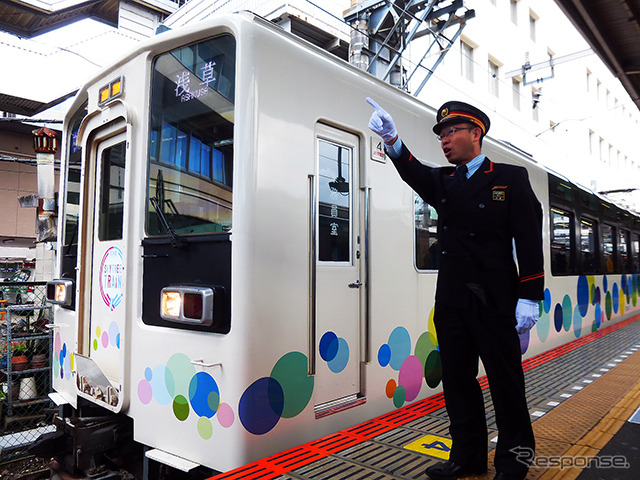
144,250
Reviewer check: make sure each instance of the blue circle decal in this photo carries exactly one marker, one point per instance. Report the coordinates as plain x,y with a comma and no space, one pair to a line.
329,346
261,406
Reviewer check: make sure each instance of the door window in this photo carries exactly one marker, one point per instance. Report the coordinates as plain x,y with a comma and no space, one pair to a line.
111,213
334,208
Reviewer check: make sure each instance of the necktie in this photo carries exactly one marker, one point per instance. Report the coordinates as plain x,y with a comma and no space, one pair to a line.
461,173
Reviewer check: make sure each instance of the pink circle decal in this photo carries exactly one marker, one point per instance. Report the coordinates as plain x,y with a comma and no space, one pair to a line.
57,343
225,415
410,377
144,392
105,339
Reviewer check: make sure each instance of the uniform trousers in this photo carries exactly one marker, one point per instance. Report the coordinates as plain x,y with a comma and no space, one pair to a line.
466,335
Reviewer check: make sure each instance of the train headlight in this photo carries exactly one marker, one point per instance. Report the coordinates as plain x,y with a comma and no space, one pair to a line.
193,305
60,292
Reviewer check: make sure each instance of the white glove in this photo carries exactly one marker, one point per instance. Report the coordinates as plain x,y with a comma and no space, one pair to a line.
381,123
527,314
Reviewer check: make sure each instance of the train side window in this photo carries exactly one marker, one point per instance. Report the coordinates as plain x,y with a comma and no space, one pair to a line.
426,242
624,261
635,253
562,243
588,246
608,246
72,184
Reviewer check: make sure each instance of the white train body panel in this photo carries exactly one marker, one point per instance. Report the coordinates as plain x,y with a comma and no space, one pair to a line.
313,347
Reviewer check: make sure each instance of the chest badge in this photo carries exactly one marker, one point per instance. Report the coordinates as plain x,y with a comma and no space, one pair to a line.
499,194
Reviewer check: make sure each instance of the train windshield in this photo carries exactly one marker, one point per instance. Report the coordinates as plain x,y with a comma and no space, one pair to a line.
189,188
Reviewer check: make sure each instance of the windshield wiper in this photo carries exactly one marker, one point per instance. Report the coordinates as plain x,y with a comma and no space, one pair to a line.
176,241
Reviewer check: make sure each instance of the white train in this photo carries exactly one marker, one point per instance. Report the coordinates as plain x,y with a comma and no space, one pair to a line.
240,268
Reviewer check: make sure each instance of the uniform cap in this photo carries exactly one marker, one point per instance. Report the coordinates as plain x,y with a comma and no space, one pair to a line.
451,113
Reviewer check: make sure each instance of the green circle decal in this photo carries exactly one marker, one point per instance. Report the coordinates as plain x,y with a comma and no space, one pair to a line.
291,373
181,408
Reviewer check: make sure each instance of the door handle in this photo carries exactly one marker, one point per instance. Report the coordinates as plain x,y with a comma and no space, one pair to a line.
356,284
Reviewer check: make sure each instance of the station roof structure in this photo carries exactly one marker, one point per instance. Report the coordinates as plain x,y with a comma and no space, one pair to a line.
612,29
40,76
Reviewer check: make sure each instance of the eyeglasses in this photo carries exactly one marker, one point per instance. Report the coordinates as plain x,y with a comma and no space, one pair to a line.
451,131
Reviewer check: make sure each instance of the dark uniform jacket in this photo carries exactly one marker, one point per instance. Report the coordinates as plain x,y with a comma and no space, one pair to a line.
477,223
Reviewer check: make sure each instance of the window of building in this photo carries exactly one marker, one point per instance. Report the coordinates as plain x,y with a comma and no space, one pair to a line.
601,150
514,11
426,241
589,75
535,100
610,156
466,61
515,88
561,242
588,246
592,140
494,79
533,18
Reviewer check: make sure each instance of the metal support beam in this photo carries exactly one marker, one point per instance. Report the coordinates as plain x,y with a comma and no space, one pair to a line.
393,25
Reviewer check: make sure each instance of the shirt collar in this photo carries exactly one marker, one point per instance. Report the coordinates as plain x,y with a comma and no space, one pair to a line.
474,164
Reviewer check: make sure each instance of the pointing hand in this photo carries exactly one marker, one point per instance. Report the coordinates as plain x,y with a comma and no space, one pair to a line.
382,124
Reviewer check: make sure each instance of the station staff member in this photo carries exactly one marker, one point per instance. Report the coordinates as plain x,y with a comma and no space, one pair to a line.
483,301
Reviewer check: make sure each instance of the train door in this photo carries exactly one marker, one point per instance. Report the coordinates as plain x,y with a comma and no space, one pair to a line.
338,276
101,354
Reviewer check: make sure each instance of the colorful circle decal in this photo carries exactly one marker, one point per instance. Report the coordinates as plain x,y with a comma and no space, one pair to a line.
546,303
177,385
433,369
410,377
335,351
544,323
567,313
261,406
412,369
583,295
204,395
291,372
558,319
400,346
577,321
384,355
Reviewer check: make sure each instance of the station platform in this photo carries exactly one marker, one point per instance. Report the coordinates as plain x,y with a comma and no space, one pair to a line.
584,401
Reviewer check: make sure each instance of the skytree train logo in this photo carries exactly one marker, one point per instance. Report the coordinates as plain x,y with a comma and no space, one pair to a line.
110,277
